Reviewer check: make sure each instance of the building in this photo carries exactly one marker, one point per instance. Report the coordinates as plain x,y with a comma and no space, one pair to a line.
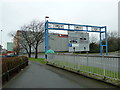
57,42
72,42
78,41
17,40
61,42
10,46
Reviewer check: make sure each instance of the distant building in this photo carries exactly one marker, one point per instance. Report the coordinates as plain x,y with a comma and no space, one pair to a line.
57,42
17,40
78,41
10,46
60,42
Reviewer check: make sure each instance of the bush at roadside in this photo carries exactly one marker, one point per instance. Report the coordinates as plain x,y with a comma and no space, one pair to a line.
9,63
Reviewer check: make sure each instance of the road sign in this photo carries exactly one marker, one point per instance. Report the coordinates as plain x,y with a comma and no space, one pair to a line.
75,45
58,26
78,27
70,44
95,29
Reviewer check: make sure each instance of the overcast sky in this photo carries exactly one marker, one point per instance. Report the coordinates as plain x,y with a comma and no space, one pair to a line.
16,13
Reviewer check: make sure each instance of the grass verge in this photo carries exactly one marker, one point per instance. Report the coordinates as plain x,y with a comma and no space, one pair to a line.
91,75
84,68
39,60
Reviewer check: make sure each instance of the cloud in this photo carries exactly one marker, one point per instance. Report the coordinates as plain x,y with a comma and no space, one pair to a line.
19,12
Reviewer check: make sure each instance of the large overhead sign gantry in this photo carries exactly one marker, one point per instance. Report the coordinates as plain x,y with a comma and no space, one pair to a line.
76,27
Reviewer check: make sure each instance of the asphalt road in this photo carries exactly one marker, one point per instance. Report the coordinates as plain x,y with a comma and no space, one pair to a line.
44,76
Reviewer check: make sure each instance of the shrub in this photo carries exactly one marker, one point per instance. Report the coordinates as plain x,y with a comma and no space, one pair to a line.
9,63
94,48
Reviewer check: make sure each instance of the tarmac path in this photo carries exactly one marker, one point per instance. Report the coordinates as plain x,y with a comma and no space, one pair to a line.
43,76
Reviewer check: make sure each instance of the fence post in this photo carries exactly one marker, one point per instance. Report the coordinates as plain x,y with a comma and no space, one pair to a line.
104,68
8,76
87,62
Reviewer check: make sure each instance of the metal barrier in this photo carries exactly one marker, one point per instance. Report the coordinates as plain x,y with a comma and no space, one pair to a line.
106,66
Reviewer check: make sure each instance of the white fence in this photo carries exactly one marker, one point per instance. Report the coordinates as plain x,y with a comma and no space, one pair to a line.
107,66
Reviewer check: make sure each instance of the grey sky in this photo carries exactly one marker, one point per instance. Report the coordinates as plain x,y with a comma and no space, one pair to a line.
15,13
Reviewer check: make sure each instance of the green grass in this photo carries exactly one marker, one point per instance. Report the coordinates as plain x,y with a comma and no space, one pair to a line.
40,60
83,68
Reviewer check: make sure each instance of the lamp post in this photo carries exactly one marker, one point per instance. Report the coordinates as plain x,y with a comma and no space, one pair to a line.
46,18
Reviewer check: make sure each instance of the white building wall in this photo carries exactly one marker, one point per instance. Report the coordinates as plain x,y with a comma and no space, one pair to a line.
56,43
82,41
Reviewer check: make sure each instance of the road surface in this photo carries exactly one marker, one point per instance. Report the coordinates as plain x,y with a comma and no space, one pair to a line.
43,76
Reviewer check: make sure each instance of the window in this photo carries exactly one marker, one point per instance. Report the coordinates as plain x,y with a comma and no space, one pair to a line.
80,38
84,48
73,41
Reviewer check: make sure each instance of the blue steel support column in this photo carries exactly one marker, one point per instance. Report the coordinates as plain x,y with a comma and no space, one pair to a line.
68,35
106,39
68,27
46,35
86,29
100,43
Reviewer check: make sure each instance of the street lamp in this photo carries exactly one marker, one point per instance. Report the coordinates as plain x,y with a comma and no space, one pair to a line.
46,17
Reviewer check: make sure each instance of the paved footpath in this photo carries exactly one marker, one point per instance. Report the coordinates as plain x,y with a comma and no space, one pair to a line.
43,76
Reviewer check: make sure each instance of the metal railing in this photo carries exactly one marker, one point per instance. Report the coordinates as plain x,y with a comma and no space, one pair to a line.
107,66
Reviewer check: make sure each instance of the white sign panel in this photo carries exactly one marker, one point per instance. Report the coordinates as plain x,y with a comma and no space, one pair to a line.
78,27
50,25
58,26
75,45
95,29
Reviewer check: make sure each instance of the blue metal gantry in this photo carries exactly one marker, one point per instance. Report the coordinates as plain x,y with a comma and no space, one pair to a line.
86,29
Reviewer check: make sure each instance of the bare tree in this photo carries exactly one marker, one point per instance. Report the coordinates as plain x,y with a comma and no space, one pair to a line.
37,29
26,39
0,48
22,40
30,36
93,38
113,41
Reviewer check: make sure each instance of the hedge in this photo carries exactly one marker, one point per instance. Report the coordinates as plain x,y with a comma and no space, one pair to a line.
12,65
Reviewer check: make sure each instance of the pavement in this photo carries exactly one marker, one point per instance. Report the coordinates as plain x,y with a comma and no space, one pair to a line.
44,76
